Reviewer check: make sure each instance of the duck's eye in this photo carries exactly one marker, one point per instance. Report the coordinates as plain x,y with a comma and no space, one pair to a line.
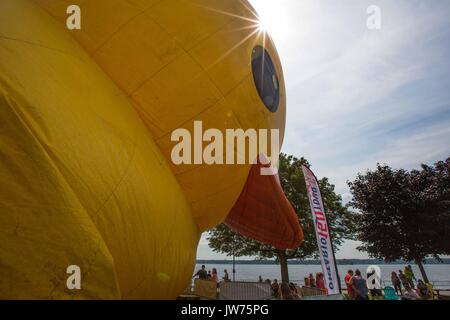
265,77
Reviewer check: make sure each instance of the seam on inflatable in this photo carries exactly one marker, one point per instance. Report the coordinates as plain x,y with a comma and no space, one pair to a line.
123,25
39,45
190,56
113,192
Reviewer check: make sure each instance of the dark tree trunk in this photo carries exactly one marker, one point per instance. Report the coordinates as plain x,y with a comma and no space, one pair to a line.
284,265
422,270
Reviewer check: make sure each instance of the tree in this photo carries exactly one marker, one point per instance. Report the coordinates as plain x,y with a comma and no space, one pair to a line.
404,215
223,239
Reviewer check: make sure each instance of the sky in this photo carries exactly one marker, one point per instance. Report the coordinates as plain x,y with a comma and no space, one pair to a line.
357,97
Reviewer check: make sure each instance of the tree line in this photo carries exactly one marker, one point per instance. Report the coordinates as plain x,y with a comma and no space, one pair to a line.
312,262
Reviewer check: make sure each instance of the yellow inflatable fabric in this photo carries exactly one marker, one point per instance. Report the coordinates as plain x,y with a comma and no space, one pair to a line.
85,122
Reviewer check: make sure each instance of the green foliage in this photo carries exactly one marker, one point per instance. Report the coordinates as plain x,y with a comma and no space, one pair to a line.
222,239
404,215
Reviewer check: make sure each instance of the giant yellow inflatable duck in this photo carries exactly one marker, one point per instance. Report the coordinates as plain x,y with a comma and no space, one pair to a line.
86,117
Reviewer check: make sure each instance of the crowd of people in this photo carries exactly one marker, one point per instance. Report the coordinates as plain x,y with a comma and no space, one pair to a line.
404,283
290,291
283,290
356,285
211,275
315,282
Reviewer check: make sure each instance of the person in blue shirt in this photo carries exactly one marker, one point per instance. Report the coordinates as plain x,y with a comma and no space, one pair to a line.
359,286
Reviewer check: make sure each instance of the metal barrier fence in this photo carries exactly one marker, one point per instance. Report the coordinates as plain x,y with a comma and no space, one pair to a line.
245,291
238,290
438,284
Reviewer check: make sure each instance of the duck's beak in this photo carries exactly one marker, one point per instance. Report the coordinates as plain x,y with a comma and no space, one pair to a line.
263,213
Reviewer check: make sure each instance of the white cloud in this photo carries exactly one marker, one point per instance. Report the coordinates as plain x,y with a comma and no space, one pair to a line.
408,152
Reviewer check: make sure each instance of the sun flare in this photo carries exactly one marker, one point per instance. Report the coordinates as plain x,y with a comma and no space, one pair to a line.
273,18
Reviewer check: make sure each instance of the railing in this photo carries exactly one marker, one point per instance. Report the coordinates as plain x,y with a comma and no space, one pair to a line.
238,290
245,291
438,284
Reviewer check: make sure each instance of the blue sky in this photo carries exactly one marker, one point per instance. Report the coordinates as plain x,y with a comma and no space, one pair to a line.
358,96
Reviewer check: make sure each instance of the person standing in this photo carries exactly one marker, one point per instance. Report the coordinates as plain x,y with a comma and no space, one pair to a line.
312,281
294,291
375,291
422,290
348,282
320,282
360,286
286,293
409,274
307,284
202,273
396,283
403,278
214,276
275,288
226,277
260,280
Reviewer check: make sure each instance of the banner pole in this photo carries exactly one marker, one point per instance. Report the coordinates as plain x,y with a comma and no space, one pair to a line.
335,264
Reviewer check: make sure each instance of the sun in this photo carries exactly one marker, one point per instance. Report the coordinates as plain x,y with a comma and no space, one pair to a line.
263,24
273,18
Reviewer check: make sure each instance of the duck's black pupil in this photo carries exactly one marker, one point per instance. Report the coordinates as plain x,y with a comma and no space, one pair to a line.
265,77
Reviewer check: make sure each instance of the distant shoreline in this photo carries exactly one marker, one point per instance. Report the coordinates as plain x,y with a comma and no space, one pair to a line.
317,262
